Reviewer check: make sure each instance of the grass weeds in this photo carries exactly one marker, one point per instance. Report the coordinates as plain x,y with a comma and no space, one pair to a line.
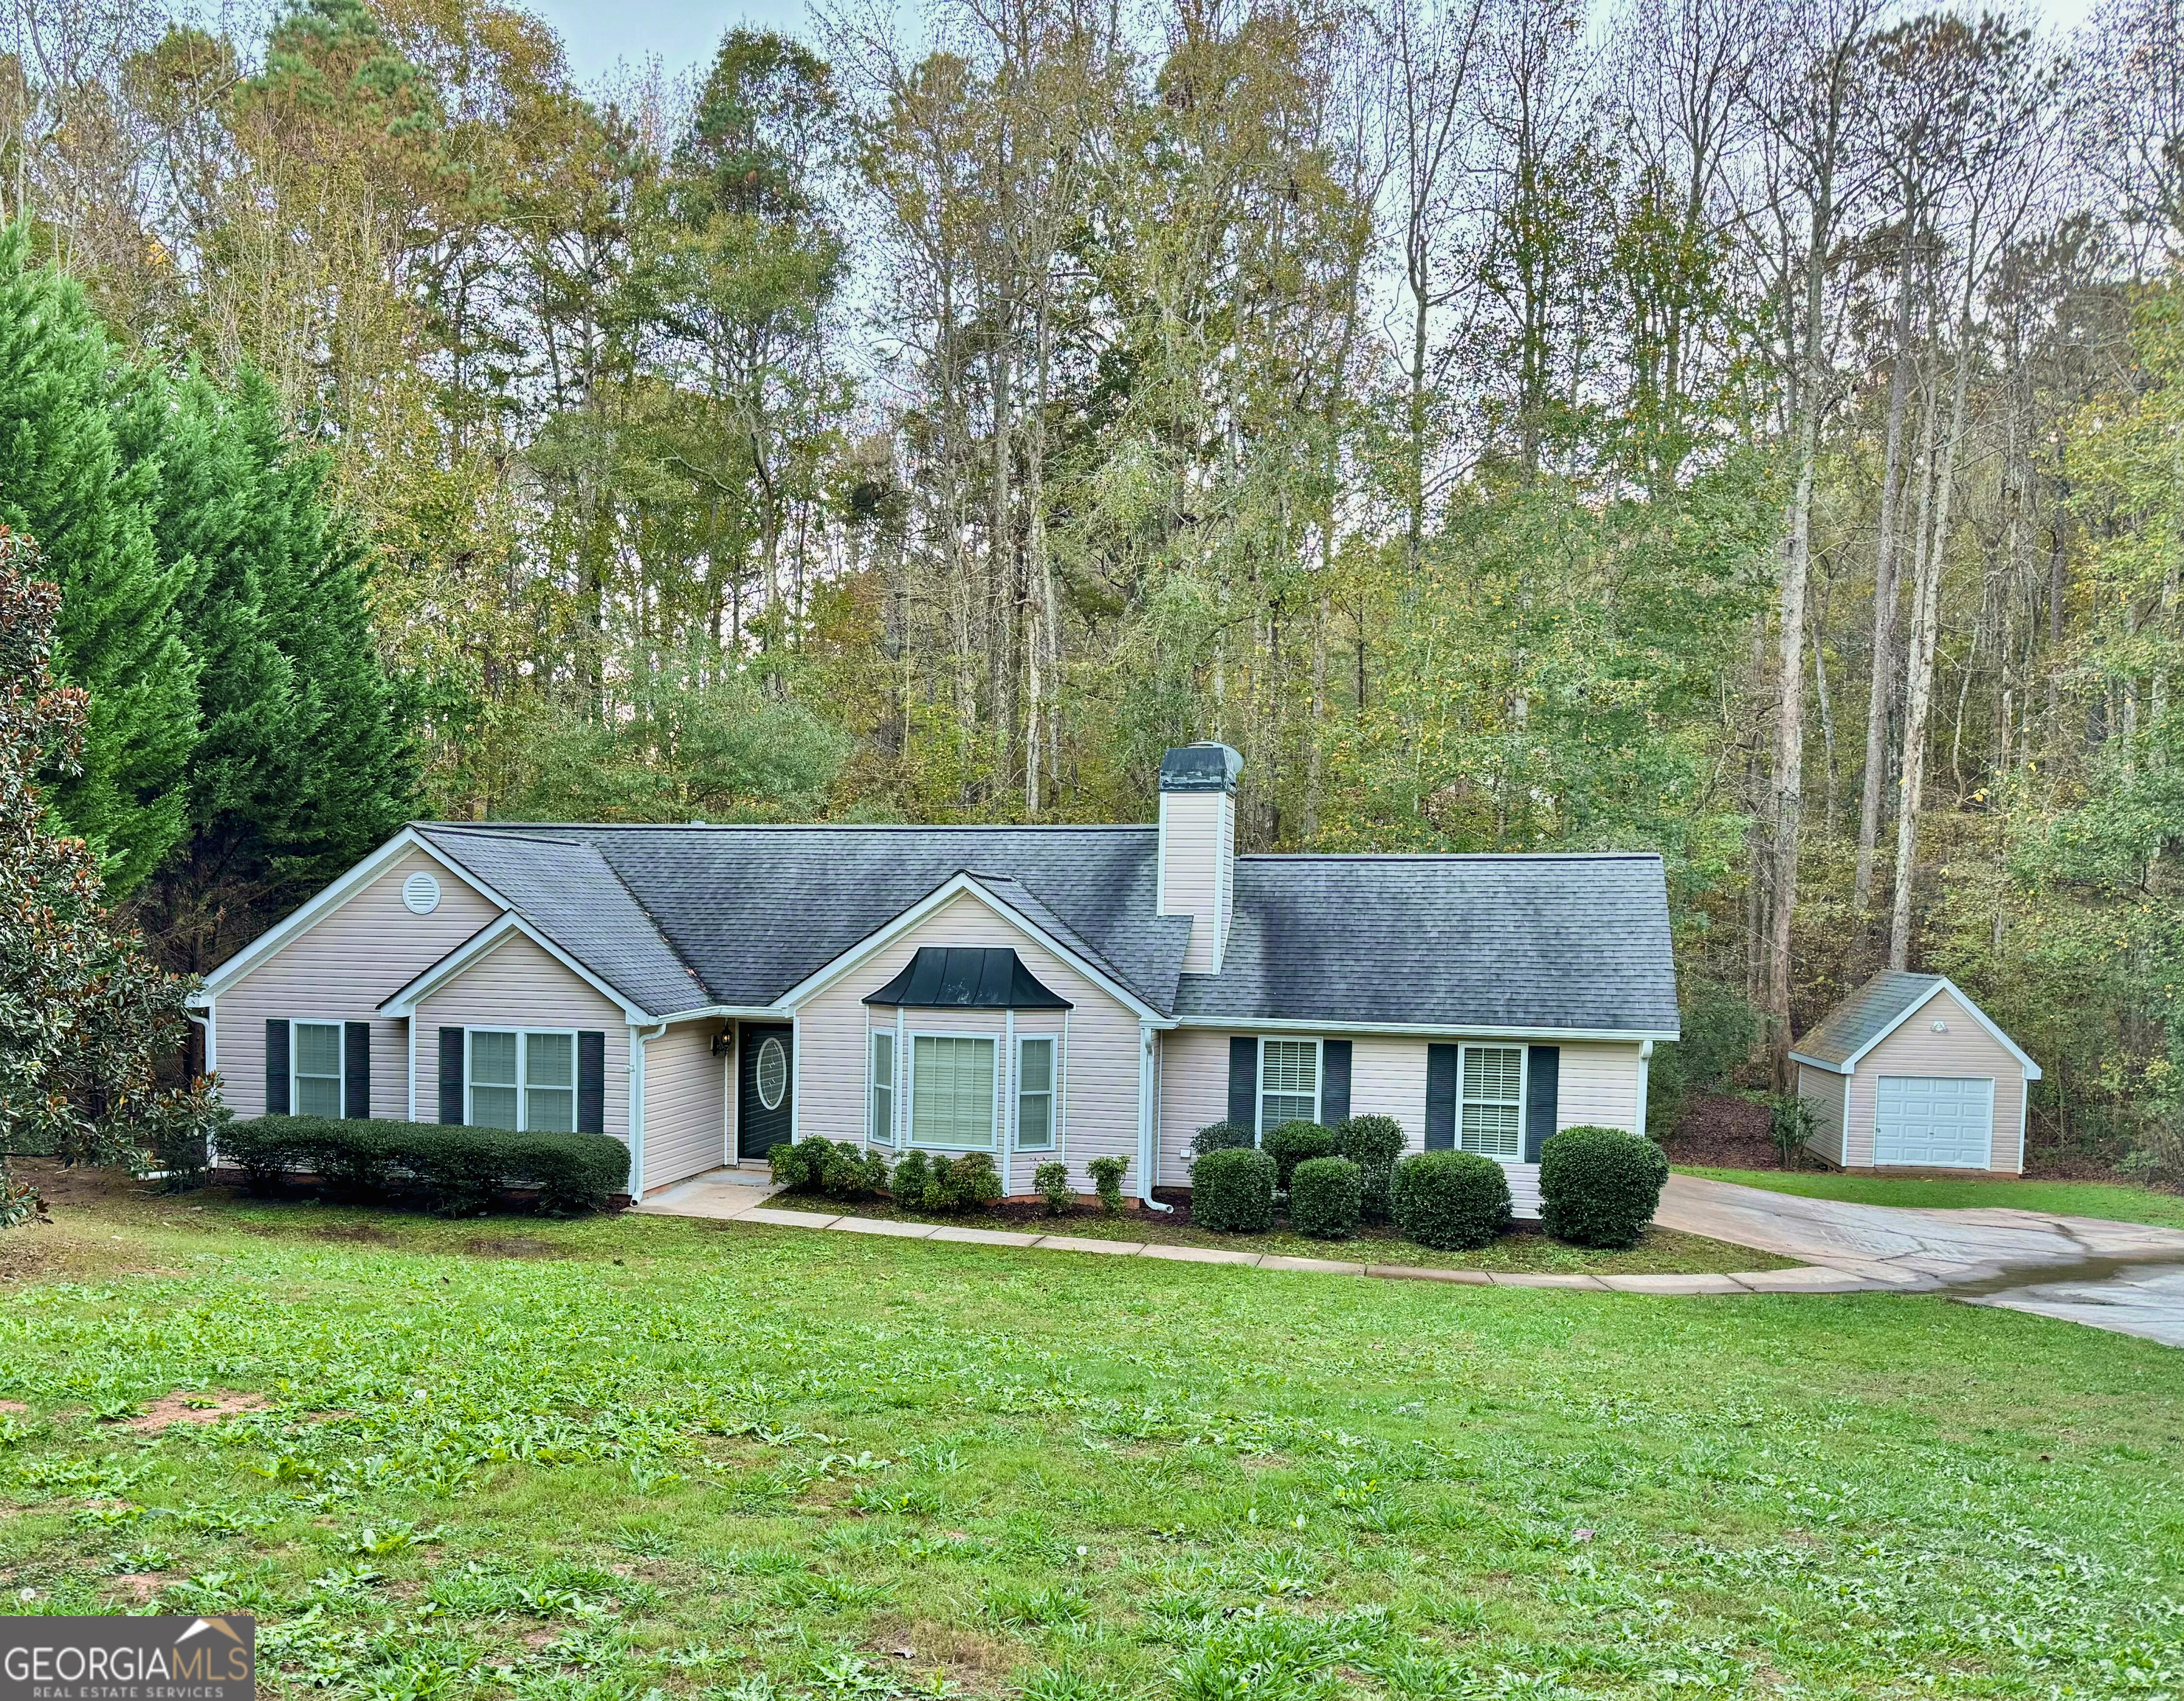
732,1463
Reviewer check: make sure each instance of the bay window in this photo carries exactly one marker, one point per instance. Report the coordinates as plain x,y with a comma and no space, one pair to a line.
952,1099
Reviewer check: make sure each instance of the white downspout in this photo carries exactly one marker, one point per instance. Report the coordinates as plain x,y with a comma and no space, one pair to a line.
1644,1077
637,1036
1148,1116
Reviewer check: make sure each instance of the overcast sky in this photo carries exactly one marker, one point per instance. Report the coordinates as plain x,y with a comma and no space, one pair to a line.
683,34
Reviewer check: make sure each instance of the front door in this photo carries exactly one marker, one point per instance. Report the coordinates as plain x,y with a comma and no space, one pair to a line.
766,1077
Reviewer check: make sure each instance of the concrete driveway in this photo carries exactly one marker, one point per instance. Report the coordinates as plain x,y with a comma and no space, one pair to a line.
2127,1277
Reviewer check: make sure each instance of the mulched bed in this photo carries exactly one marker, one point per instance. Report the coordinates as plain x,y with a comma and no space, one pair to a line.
1716,1131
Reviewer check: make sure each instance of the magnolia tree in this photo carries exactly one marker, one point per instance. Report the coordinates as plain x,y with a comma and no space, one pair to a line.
84,1013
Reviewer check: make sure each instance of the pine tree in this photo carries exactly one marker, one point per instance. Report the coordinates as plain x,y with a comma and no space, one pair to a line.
65,483
301,768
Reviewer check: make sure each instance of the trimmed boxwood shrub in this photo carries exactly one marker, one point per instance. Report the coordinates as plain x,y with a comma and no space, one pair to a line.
1373,1143
1222,1136
1454,1201
1232,1191
1107,1179
1052,1180
1324,1198
461,1171
1599,1186
912,1178
972,1182
1290,1143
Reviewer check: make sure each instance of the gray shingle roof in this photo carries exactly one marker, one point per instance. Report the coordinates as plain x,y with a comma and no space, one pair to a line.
752,911
1518,941
1866,1015
566,888
742,914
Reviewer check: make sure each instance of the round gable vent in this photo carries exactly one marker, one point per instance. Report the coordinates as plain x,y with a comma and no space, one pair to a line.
420,894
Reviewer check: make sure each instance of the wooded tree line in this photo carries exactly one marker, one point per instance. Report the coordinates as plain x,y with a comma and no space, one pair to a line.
1752,428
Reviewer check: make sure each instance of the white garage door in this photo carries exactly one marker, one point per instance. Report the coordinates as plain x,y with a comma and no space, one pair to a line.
1938,1121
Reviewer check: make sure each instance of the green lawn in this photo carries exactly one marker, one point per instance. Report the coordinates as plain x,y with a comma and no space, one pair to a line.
2066,1198
1658,1252
590,1462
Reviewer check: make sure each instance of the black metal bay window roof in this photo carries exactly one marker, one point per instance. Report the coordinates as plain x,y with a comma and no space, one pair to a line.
966,978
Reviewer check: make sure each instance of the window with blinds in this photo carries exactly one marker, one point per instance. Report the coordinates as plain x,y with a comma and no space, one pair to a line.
1491,1106
951,1091
1035,1094
525,1081
1289,1082
318,1068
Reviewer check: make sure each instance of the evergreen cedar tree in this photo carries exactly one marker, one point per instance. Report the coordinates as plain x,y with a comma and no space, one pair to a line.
85,1014
240,734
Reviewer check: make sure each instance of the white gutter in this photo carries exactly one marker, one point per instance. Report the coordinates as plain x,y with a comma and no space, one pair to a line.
1148,1115
637,1037
1645,1081
1254,1025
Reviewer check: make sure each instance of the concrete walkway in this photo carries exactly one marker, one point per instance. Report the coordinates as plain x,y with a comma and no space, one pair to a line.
2124,1277
735,1196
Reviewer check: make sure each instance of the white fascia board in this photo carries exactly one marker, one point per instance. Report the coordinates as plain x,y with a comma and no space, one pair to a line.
1944,983
728,1012
487,940
331,898
927,907
1244,1025
1819,1064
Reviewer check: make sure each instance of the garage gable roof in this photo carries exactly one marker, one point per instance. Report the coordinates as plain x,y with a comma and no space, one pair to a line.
1877,1009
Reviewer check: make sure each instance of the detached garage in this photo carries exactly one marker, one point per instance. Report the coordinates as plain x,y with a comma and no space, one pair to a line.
1907,1073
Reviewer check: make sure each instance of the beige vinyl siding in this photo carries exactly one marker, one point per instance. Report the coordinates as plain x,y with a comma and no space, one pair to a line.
1387,1077
1194,1091
1822,1090
1598,1086
685,1116
1099,1063
338,970
515,985
1967,1050
1194,829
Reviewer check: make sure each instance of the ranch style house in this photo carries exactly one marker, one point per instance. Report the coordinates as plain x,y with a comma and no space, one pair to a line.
1038,993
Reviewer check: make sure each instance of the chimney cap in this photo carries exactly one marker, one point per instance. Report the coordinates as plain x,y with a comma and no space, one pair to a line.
1205,766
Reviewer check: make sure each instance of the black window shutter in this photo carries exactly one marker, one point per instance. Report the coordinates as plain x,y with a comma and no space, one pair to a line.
1244,1080
451,1076
1543,1072
591,1082
276,1066
356,1070
1441,1097
1333,1080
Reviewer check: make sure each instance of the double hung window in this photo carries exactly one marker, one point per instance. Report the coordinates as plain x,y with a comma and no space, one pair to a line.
317,1068
1289,1082
522,1079
1035,1093
952,1100
1492,1101
882,1132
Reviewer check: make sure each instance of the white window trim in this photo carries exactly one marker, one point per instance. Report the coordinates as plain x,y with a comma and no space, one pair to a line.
1053,1095
522,1069
872,1036
1319,1078
341,1063
1464,1050
909,1109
